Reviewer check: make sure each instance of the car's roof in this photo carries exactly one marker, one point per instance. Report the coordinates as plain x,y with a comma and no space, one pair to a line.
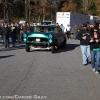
48,25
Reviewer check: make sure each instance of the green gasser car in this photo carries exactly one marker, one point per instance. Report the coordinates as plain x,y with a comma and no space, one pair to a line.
45,37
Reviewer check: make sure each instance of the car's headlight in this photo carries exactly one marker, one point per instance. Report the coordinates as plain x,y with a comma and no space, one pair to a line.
24,39
50,40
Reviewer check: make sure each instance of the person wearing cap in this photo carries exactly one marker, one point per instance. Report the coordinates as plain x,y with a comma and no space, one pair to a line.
84,37
95,50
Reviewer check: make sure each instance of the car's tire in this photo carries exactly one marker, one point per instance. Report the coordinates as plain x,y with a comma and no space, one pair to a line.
64,44
52,49
27,48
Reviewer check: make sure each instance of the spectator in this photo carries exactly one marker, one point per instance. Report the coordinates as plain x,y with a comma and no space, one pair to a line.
91,45
23,30
17,33
57,24
81,28
13,33
99,29
95,50
62,27
31,27
6,33
84,38
75,29
68,29
1,33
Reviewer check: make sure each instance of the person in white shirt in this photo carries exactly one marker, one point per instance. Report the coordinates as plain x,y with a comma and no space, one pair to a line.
62,27
68,29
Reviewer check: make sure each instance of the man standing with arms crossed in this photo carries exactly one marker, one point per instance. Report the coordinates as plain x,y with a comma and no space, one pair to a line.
84,37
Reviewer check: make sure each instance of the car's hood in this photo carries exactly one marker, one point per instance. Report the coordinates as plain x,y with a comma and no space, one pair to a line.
39,34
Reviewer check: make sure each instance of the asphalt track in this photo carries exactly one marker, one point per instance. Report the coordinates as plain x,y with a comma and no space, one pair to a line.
41,75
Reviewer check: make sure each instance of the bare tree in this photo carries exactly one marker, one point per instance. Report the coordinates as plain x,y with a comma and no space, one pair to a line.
85,4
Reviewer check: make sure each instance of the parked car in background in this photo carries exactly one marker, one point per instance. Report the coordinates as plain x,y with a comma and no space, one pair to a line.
45,37
8,21
49,22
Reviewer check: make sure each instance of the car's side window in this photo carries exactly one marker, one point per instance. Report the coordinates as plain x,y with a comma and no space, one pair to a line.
47,29
55,30
37,29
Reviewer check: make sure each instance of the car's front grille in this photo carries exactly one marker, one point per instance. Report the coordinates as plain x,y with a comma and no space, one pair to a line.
37,39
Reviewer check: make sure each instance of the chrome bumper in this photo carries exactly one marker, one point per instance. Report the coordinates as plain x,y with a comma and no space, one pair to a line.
38,48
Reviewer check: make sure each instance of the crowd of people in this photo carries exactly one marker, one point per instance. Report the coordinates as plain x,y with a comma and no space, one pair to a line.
14,31
88,34
69,31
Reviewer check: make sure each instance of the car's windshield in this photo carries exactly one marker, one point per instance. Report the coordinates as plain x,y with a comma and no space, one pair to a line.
46,29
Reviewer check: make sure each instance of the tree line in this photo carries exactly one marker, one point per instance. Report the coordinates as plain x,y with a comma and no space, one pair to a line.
39,10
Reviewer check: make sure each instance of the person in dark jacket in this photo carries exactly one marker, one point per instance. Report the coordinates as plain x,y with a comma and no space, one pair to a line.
31,27
75,29
99,29
23,30
84,38
1,33
91,45
18,32
6,33
95,50
13,33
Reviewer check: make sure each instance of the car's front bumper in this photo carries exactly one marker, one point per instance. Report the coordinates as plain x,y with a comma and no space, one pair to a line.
39,48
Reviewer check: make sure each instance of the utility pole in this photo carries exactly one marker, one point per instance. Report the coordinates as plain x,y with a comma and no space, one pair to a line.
29,9
43,14
51,10
4,12
85,4
5,8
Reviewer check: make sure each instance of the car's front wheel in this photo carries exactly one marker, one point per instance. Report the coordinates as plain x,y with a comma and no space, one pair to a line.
27,48
52,49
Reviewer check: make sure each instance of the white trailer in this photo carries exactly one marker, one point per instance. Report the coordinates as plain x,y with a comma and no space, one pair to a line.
70,18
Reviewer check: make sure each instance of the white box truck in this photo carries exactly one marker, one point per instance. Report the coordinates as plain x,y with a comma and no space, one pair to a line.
94,20
70,18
